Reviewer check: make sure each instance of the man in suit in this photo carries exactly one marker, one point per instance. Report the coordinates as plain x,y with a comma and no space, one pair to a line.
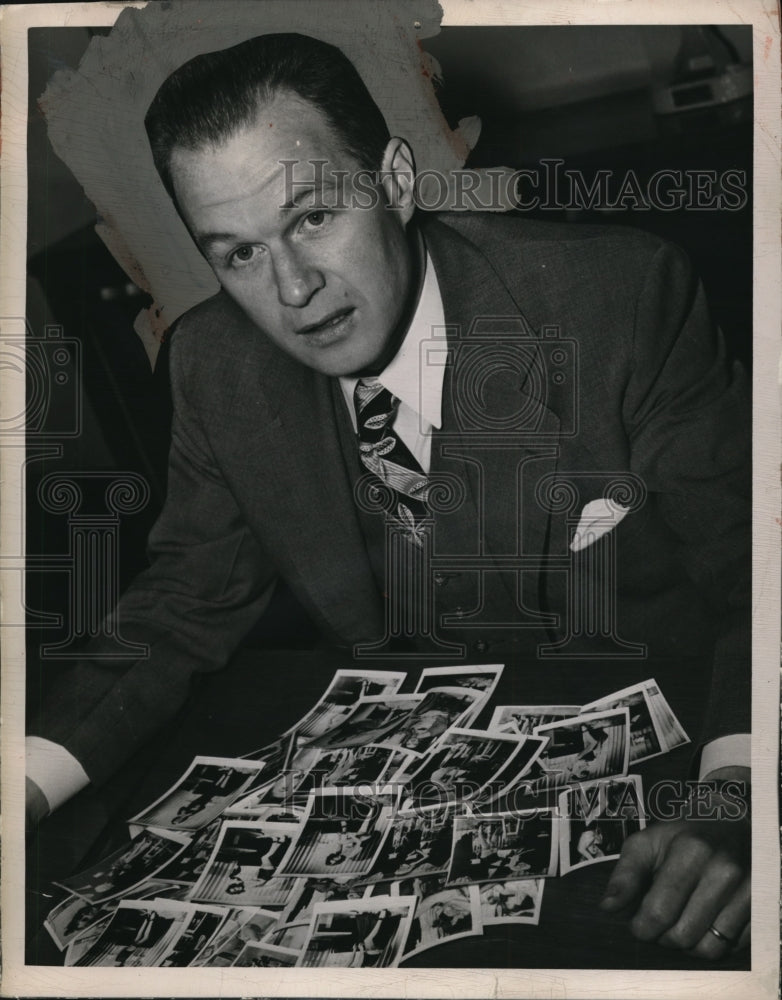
333,288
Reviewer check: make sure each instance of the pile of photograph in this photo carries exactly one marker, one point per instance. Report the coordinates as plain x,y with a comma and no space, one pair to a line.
380,826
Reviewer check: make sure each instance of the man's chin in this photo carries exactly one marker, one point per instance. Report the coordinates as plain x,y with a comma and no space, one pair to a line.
339,364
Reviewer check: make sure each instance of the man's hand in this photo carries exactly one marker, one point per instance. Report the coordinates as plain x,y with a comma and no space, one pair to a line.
689,880
36,806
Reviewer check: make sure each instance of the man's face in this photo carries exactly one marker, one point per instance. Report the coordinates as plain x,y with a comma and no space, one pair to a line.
329,286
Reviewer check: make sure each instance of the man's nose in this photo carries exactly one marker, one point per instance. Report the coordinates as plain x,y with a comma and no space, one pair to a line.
297,278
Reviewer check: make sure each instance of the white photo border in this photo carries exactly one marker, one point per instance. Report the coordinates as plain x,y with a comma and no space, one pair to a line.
21,980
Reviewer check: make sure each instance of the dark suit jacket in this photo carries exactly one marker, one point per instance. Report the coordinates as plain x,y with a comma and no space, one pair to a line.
604,366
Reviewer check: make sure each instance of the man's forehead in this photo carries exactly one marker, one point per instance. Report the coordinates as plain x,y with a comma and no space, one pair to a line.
284,129
218,185
285,187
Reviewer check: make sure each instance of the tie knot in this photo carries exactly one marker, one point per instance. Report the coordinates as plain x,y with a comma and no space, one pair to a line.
374,402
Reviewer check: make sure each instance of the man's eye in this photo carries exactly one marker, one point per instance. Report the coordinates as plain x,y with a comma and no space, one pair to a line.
315,219
242,255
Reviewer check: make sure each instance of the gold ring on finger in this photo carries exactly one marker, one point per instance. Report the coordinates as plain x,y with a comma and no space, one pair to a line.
720,936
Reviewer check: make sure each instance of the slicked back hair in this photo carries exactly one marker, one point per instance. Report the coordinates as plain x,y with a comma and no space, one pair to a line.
211,97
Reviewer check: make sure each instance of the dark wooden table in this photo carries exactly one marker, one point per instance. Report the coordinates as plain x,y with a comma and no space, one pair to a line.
263,692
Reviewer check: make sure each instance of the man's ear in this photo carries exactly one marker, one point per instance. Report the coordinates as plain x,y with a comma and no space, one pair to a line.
397,177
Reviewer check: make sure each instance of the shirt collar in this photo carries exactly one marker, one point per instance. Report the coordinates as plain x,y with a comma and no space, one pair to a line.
412,376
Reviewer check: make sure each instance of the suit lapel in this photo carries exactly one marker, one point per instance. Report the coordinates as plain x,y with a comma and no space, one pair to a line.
498,436
305,491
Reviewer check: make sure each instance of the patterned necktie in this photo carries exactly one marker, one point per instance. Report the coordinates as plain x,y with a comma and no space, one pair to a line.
386,456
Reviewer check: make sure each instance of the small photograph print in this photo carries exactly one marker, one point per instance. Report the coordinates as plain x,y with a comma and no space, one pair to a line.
244,863
384,888
365,934
346,688
158,888
420,886
370,721
438,711
121,871
419,843
267,813
278,763
644,738
587,747
344,767
481,678
203,925
662,720
504,847
342,834
464,763
671,732
188,866
596,819
400,766
201,794
70,918
514,901
524,719
242,926
266,956
290,936
314,891
80,945
139,934
524,763
275,794
444,916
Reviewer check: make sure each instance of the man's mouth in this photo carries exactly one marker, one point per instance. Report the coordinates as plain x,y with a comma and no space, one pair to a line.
329,324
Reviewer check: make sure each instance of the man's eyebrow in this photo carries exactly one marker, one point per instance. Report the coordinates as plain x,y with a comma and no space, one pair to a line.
305,190
207,241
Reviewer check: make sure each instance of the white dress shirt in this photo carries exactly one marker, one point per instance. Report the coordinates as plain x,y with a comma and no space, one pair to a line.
415,375
55,771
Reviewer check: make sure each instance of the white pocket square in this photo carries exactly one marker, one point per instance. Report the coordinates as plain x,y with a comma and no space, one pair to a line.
597,519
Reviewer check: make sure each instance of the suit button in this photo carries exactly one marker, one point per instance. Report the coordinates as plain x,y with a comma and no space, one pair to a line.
481,646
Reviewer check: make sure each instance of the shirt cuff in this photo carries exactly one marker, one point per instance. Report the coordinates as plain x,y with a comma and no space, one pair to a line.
727,751
54,770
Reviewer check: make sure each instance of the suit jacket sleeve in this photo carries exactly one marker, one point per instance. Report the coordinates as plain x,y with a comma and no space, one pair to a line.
689,422
208,582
